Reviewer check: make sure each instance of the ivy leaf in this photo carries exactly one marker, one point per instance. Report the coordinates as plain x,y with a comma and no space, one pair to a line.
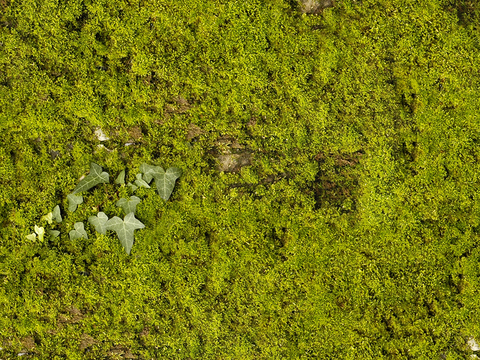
99,222
53,233
31,236
120,180
56,214
47,217
125,229
79,232
40,232
150,172
133,187
165,181
140,182
74,201
96,176
130,205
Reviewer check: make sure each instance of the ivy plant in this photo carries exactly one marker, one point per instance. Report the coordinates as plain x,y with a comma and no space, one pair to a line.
129,205
164,181
124,229
95,177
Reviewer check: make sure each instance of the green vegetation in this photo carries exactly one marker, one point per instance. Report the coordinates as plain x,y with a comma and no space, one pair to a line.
329,206
165,181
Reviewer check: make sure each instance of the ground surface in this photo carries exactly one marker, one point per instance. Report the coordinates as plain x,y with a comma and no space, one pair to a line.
328,207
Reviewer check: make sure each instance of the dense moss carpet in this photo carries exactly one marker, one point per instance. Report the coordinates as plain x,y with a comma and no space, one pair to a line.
328,206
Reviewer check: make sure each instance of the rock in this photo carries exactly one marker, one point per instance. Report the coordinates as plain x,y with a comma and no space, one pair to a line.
86,341
135,132
101,135
230,155
180,105
315,6
101,146
233,162
473,344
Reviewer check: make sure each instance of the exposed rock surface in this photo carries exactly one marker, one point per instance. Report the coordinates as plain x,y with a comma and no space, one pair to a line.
315,6
233,162
231,156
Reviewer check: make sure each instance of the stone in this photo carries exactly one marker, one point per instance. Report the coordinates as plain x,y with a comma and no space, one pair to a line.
233,162
315,6
101,135
54,154
473,344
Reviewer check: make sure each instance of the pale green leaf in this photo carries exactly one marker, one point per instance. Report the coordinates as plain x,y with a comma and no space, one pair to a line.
140,182
133,187
125,229
40,232
78,232
120,178
165,181
99,222
53,233
150,171
31,236
95,177
74,201
56,214
47,218
129,205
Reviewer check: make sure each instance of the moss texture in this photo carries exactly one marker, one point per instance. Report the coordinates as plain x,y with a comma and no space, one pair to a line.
345,222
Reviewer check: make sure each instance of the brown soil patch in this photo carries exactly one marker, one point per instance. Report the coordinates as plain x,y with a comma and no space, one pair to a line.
337,183
86,341
135,132
28,342
193,131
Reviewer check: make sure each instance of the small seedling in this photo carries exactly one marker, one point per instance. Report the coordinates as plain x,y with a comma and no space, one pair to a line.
40,231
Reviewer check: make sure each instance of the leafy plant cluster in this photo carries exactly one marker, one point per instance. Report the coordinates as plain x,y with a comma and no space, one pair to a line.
164,181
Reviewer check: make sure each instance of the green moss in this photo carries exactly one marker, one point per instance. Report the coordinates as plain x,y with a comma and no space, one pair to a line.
351,233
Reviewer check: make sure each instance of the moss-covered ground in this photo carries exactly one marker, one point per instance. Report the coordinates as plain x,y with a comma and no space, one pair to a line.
346,225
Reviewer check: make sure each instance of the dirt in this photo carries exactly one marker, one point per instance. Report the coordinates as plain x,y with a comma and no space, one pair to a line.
193,131
86,341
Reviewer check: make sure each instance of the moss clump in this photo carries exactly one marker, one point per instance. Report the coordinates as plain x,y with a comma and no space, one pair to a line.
350,232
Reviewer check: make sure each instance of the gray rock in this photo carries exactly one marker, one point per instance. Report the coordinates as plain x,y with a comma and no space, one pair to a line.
473,344
233,162
101,135
315,6
230,155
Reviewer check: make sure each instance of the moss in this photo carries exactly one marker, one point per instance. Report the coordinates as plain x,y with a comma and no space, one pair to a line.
350,232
